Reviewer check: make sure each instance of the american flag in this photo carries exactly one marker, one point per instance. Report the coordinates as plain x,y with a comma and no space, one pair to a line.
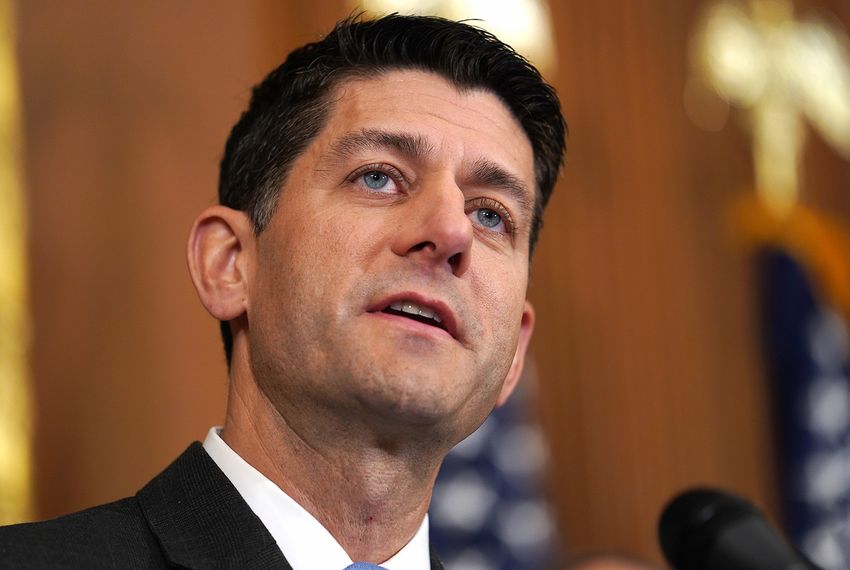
489,511
807,351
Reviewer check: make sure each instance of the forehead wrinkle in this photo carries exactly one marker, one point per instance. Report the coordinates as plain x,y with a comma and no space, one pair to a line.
409,145
488,173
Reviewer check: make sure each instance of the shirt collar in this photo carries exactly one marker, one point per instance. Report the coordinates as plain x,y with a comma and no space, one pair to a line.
311,546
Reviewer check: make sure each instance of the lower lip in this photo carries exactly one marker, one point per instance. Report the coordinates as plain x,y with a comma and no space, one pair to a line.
412,325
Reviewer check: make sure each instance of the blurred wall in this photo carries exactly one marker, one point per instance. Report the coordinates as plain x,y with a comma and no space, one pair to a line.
126,107
646,346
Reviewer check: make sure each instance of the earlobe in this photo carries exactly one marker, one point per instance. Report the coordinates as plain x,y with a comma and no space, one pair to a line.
526,328
217,253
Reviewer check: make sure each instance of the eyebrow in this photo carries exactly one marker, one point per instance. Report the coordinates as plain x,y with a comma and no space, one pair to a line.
487,173
409,145
483,173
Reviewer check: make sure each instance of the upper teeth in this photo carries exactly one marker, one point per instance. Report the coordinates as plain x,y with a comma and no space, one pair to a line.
414,309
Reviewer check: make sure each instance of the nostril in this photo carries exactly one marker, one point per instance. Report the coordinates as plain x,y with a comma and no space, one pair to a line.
422,245
454,260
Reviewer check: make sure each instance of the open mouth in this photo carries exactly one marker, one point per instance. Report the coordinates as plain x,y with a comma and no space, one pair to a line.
416,312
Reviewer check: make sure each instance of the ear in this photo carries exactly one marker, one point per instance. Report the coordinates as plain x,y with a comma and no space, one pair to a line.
526,327
217,253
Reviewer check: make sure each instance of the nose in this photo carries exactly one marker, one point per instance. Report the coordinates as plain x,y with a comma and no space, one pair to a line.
435,228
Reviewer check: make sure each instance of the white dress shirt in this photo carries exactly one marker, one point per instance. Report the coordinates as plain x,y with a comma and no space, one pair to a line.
306,544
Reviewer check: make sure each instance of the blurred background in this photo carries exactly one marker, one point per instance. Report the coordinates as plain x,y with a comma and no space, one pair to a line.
659,360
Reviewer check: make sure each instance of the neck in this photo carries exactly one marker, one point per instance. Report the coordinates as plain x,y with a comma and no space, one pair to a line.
370,496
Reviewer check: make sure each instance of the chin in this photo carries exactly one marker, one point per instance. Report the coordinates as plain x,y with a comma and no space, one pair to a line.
431,406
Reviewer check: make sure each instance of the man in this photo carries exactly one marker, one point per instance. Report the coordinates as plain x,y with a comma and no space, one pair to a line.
369,259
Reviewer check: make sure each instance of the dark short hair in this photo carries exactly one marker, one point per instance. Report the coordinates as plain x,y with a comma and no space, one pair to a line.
290,106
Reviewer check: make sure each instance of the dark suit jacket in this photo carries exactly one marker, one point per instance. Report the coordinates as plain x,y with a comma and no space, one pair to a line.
189,516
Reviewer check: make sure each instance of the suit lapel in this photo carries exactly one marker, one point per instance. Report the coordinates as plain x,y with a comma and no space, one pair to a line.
435,561
201,521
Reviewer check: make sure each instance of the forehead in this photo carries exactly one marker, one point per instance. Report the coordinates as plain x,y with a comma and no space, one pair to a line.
461,126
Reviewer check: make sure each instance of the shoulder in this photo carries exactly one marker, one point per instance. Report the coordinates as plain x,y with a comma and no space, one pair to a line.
190,515
114,535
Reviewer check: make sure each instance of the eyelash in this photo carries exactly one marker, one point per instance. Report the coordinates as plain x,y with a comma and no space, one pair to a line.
394,174
476,203
489,203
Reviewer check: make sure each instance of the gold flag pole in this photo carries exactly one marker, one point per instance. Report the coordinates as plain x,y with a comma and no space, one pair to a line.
15,409
783,72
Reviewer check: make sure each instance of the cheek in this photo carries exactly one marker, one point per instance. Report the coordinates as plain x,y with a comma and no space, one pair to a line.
319,261
501,302
316,247
355,239
501,290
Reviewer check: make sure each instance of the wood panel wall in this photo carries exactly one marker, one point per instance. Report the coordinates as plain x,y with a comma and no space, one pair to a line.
127,106
647,346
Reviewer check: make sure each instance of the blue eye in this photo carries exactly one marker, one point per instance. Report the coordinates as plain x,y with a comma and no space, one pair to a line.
488,218
375,179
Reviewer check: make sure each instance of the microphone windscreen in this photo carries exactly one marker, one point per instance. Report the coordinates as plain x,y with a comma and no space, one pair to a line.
707,529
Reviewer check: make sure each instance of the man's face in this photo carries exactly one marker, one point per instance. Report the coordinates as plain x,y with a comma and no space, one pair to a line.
390,282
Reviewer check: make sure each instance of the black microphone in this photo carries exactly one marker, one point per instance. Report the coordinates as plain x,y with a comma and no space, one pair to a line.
707,529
